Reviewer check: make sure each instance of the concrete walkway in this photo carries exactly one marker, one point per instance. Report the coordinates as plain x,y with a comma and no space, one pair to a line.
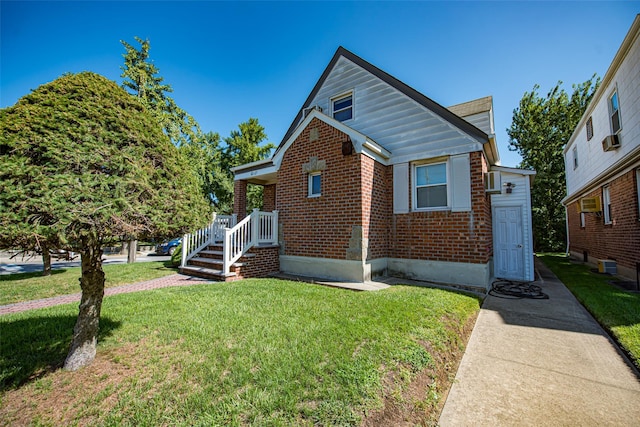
162,282
543,362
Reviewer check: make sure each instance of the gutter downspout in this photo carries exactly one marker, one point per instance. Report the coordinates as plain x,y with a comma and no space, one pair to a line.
566,221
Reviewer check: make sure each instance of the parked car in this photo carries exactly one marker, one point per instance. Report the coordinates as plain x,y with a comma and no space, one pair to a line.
168,247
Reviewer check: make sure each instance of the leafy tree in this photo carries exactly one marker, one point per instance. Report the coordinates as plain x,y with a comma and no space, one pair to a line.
205,155
141,78
540,129
203,150
244,146
84,163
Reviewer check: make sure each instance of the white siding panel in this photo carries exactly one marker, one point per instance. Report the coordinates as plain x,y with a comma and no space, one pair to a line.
401,188
389,117
592,159
482,121
460,183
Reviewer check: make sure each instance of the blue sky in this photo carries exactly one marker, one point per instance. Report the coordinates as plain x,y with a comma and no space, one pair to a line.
229,61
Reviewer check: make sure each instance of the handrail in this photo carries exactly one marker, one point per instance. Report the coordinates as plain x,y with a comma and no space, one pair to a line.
257,228
192,243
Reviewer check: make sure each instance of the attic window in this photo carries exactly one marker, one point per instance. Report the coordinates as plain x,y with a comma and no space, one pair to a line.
343,107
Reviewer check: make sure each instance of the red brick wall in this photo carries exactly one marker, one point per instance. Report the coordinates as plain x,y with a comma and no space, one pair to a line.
444,235
240,198
319,226
265,262
269,198
357,191
376,206
619,241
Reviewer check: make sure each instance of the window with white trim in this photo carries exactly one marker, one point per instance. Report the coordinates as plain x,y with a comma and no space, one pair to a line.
430,186
342,107
614,112
315,184
606,205
575,157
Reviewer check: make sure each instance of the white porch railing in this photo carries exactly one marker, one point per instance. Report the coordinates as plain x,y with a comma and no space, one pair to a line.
213,233
259,228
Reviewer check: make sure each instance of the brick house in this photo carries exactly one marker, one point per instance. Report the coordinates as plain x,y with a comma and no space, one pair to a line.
373,178
602,162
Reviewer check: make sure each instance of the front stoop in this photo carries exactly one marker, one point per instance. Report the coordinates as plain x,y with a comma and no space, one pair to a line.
208,264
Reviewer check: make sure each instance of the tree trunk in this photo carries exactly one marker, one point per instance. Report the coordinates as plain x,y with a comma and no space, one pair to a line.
85,333
133,248
46,261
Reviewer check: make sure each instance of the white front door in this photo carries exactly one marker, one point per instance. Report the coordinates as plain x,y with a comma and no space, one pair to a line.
508,251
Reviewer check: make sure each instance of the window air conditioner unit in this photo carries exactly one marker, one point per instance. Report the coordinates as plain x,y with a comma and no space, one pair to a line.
607,266
611,142
492,182
589,204
308,110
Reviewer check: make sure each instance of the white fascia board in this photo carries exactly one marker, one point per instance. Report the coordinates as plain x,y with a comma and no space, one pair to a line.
254,173
250,165
517,171
374,150
491,151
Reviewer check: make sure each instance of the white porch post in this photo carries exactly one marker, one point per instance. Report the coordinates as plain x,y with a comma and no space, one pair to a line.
255,226
275,227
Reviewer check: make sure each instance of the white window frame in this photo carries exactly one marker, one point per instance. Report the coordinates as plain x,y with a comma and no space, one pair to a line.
414,186
606,204
340,97
310,184
575,157
612,111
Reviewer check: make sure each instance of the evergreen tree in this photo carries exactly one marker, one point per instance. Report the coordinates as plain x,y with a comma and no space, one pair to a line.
83,163
141,77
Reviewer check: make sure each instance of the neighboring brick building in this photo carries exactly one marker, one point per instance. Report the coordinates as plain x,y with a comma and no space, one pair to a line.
602,161
374,178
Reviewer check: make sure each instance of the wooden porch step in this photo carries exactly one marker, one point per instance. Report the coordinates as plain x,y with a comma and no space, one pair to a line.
205,273
210,262
210,253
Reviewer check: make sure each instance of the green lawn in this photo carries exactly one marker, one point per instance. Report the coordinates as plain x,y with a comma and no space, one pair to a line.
30,286
253,352
616,310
